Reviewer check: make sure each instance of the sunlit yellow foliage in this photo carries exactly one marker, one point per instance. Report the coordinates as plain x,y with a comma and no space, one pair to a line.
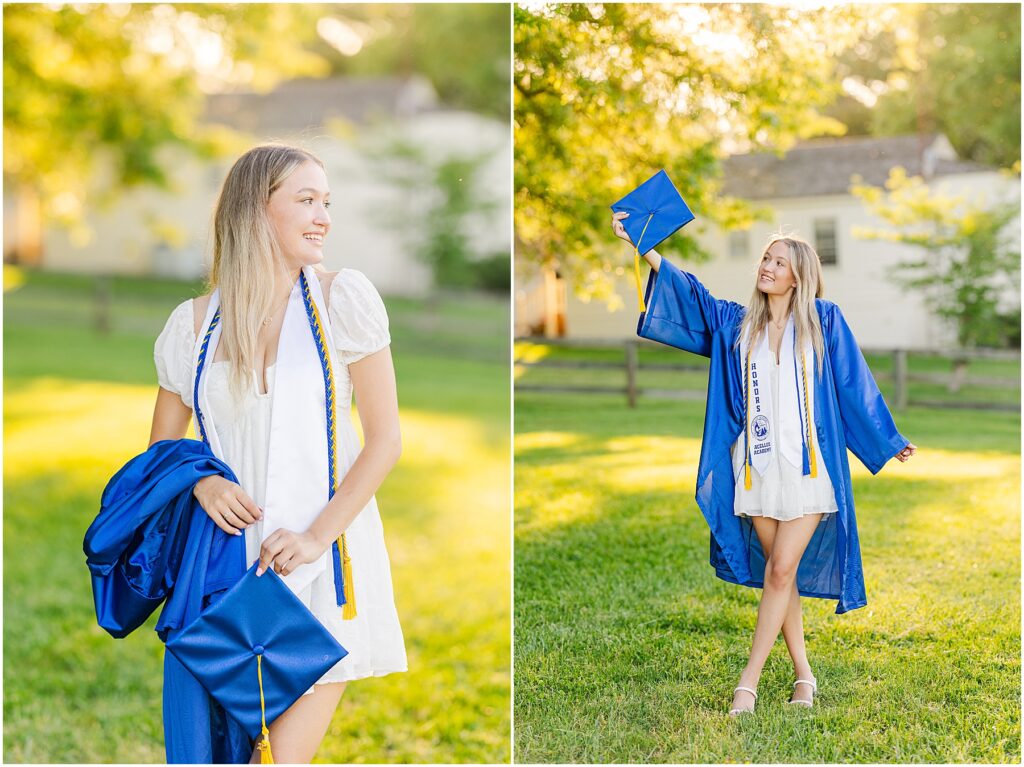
527,352
13,277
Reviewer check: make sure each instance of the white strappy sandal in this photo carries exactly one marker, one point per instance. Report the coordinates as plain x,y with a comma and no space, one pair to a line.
738,711
814,688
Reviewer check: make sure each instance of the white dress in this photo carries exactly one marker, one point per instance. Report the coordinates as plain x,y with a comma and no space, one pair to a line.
359,324
785,492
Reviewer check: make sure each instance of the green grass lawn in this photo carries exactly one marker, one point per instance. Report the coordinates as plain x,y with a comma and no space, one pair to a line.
627,647
78,405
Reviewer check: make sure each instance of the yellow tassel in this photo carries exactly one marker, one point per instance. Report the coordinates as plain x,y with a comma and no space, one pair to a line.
636,273
746,476
266,755
636,266
348,612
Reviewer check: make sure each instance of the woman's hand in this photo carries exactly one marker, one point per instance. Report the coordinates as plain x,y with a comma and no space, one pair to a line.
285,550
904,454
618,228
226,503
651,256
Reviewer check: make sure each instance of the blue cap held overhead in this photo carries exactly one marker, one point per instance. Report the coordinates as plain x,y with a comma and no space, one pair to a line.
656,210
256,650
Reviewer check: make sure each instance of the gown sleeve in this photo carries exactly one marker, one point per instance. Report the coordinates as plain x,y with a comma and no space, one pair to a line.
172,352
359,321
682,313
867,423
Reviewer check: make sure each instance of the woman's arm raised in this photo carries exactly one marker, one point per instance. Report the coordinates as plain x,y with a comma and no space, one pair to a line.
679,310
620,231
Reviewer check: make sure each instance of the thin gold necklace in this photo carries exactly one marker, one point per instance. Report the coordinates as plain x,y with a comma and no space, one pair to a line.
274,313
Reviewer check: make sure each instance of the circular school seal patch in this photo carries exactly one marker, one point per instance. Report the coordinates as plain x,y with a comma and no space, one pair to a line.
760,427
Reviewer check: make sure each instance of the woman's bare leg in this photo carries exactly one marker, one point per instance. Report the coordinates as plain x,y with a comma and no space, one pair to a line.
295,736
793,626
779,598
793,633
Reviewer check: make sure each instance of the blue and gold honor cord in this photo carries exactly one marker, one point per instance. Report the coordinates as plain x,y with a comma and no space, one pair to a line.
343,584
807,434
806,420
199,372
344,587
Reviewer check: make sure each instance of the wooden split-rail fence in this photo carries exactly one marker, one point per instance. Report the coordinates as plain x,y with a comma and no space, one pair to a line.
956,379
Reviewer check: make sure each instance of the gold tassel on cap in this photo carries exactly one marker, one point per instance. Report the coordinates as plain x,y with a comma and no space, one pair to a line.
636,267
266,755
636,273
348,611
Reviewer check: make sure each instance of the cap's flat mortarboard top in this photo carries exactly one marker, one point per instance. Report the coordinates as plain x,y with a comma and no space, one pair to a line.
656,210
257,649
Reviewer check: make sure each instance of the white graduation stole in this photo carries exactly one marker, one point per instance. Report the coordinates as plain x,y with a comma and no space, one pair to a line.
297,471
764,433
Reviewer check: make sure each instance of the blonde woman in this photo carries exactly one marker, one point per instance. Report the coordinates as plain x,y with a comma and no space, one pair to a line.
788,393
264,410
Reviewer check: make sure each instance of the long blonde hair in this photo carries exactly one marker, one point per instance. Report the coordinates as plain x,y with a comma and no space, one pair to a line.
806,267
246,254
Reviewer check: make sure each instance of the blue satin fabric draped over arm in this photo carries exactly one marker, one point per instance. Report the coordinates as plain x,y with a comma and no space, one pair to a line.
150,543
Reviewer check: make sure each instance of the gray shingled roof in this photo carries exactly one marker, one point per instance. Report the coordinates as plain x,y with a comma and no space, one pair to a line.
824,166
307,103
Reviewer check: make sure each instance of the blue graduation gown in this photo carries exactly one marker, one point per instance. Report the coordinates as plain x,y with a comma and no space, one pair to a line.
151,542
849,412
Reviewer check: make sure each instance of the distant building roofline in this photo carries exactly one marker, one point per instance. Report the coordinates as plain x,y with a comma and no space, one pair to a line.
824,166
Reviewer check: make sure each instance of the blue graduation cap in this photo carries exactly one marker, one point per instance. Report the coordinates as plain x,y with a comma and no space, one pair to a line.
656,210
256,650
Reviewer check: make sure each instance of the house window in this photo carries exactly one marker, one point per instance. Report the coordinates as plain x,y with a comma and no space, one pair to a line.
739,244
825,240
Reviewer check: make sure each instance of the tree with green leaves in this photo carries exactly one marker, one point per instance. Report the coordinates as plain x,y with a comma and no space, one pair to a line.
441,200
606,95
948,68
108,89
462,48
115,92
966,258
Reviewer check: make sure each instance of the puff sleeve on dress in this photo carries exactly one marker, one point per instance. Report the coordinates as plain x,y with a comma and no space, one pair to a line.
359,322
172,352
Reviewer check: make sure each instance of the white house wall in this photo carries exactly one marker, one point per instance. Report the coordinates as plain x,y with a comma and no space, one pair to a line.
364,235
